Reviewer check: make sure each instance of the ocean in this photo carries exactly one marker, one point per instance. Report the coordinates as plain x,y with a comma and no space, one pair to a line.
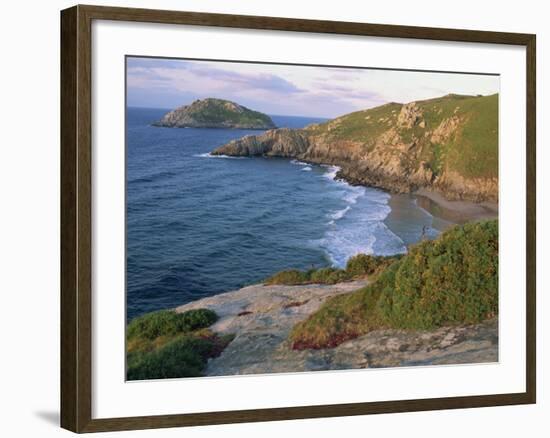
199,225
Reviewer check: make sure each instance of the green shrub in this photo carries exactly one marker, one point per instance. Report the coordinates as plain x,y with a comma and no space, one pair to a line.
357,266
168,323
290,277
328,276
166,344
342,317
363,264
453,279
185,356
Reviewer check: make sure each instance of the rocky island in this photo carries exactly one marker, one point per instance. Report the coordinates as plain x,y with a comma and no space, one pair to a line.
215,113
448,145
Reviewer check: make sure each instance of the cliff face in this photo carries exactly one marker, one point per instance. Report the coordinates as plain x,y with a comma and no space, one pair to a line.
448,144
215,113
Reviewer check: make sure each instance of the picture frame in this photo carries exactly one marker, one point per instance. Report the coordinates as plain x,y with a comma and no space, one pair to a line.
77,168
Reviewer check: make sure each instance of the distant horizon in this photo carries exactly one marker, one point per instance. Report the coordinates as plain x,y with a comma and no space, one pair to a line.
286,115
271,115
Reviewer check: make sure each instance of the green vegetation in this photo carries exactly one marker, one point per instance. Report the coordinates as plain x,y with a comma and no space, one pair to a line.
362,264
328,276
477,152
290,277
169,323
471,150
451,280
215,113
364,126
219,111
184,356
357,266
166,344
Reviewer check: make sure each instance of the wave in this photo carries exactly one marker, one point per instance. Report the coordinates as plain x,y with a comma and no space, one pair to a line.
354,194
340,213
358,227
340,243
209,155
306,169
152,177
331,173
298,163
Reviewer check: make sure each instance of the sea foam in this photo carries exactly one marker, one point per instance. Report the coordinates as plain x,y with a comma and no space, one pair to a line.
340,213
210,155
358,227
332,171
298,163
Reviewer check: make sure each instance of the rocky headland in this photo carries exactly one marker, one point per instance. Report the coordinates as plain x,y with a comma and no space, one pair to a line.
261,318
447,145
215,113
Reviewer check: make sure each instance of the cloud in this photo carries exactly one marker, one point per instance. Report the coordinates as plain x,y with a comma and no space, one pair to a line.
288,89
148,63
259,81
196,77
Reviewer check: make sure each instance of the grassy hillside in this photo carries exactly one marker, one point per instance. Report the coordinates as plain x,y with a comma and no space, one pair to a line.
453,279
472,150
364,126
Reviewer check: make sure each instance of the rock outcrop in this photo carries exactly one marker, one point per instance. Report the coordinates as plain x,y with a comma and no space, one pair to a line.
409,116
215,113
449,145
261,318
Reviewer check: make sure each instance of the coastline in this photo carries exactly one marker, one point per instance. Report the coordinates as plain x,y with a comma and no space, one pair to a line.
437,213
458,212
446,213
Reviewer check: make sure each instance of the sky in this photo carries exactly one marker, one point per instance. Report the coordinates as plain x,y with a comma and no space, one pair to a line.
288,89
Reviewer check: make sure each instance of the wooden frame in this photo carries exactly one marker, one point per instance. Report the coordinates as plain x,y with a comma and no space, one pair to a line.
76,238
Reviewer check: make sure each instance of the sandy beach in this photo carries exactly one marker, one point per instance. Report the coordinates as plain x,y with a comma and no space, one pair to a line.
458,212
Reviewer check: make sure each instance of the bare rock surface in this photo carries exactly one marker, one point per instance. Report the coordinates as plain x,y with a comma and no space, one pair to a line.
409,115
261,318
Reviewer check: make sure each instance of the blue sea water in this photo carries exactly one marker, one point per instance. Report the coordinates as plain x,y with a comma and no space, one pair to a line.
199,225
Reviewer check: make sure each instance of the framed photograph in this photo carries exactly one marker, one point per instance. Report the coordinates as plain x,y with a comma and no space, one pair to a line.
268,218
